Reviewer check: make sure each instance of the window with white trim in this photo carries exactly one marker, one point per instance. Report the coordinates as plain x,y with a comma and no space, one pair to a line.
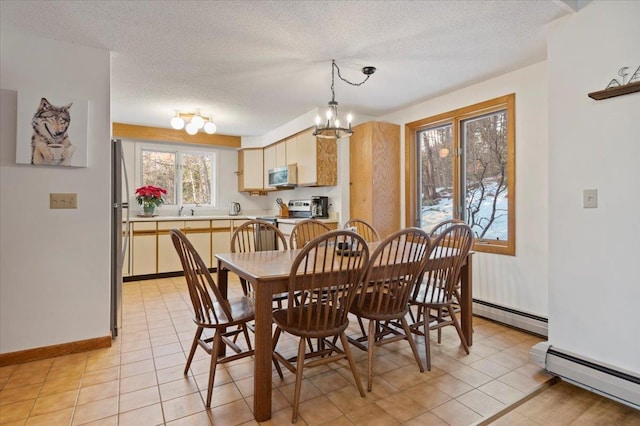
187,175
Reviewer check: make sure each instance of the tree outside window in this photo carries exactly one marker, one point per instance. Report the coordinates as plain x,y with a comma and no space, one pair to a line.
463,166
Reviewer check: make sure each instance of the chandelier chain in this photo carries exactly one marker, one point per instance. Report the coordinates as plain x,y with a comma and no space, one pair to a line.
334,67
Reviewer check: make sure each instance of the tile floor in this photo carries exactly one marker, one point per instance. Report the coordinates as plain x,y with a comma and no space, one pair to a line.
139,380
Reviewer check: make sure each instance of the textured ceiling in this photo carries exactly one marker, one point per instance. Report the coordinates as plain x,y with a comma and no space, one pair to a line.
256,65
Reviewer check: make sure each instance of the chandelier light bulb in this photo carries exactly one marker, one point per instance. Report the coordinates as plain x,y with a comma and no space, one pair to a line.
329,114
191,128
317,120
197,121
337,122
349,118
177,122
210,127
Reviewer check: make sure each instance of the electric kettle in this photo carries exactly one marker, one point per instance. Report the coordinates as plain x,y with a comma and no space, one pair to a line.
234,209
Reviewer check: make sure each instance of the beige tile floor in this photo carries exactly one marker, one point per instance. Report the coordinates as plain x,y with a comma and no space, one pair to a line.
139,380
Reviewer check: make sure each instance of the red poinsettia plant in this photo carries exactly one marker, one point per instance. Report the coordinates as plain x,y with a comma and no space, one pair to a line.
150,195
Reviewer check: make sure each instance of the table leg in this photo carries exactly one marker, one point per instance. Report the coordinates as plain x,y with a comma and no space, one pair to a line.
263,353
466,302
223,284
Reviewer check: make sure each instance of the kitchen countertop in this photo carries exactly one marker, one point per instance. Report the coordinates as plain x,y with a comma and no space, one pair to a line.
291,220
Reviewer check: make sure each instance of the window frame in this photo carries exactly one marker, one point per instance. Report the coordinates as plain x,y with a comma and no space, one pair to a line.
180,152
455,118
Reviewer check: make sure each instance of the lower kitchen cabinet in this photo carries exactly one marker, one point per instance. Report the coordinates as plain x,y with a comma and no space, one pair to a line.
168,259
199,233
220,238
152,252
143,248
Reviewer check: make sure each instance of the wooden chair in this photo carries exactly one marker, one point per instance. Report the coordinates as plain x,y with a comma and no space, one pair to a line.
320,270
363,228
435,291
211,311
392,272
257,235
305,231
442,226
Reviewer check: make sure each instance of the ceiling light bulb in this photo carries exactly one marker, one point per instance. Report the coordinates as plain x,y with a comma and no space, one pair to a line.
349,118
197,121
191,128
177,122
329,114
317,120
210,127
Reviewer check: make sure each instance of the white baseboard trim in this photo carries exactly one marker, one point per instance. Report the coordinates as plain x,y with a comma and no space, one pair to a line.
611,382
518,319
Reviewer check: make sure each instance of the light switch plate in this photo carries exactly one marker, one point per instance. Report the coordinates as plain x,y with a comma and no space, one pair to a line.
63,201
590,198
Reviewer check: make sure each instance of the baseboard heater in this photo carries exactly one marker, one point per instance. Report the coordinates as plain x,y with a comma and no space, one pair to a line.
518,319
608,381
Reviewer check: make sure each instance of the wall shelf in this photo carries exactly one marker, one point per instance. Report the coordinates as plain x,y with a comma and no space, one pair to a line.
615,91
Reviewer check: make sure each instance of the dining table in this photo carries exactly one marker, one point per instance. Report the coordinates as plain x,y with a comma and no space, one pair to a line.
268,273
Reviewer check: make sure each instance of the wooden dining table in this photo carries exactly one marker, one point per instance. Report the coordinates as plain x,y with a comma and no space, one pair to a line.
268,272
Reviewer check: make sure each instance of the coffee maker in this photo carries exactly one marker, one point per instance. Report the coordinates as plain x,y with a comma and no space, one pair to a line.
320,207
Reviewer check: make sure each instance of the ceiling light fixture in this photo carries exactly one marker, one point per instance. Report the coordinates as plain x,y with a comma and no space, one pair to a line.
196,121
331,129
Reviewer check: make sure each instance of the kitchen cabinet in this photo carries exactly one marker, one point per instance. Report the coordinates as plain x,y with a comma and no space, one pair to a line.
269,162
317,160
168,259
199,233
374,175
220,237
250,170
143,248
281,154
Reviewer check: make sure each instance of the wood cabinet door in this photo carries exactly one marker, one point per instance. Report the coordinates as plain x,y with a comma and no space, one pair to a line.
199,233
291,148
307,159
250,169
143,248
168,259
269,162
281,154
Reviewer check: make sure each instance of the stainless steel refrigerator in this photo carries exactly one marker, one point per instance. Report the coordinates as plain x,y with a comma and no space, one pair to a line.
120,230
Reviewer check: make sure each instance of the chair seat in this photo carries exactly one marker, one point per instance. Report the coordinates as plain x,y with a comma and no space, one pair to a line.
362,309
241,310
432,296
315,317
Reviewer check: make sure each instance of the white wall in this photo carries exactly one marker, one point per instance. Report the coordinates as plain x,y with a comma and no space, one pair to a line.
594,282
54,264
520,281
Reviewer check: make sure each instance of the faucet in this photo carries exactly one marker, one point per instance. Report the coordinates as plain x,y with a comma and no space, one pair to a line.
180,211
193,212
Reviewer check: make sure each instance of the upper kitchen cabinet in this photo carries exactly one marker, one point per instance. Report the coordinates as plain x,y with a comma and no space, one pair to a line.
250,170
317,160
274,156
374,174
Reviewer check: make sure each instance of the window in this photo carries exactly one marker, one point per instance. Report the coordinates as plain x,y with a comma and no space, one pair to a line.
188,176
461,164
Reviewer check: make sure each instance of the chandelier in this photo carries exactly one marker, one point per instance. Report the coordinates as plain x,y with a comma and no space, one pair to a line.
196,121
331,128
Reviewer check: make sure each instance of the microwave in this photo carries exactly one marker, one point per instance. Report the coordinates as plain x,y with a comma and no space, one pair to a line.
283,177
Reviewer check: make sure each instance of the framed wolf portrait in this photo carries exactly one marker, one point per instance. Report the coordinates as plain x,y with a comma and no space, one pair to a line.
51,130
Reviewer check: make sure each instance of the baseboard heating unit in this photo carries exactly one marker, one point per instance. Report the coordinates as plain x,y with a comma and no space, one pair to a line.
522,320
611,382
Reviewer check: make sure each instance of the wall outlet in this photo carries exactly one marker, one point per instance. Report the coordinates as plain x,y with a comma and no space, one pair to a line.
590,198
63,201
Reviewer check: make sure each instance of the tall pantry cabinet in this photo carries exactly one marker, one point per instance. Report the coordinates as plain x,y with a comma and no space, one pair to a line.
374,172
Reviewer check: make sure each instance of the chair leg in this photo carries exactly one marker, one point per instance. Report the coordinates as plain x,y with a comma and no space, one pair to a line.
412,343
217,340
299,367
276,336
454,318
352,363
192,352
439,320
371,344
427,344
245,287
246,335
